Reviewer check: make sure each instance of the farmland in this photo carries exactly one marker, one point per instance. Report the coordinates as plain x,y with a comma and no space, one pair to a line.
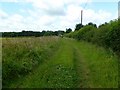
54,62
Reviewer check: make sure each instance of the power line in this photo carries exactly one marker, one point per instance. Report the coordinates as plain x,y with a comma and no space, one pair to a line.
85,4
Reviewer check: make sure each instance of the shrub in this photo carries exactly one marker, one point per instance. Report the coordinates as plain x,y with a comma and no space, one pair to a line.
113,38
107,35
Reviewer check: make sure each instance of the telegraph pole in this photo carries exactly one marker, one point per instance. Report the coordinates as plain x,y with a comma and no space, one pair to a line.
81,16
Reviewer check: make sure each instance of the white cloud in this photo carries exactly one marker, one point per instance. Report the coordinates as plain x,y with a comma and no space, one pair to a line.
52,15
73,12
3,14
11,23
98,17
56,7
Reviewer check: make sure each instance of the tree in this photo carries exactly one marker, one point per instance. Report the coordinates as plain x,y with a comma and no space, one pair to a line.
68,30
90,23
78,27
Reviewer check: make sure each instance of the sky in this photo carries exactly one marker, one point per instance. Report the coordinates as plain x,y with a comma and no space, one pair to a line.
38,15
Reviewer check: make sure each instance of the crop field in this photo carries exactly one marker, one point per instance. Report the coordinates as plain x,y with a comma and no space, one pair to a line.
55,62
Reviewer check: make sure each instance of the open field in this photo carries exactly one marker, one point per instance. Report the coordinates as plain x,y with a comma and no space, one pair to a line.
53,62
21,55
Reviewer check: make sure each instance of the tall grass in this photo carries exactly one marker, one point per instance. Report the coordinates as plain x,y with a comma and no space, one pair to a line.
57,72
102,66
21,55
61,63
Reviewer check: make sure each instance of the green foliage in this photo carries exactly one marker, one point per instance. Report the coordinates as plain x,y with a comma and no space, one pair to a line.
102,66
86,33
107,35
68,30
78,26
21,55
113,37
31,33
74,66
94,25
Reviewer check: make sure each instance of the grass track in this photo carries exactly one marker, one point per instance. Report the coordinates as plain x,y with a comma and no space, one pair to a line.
74,64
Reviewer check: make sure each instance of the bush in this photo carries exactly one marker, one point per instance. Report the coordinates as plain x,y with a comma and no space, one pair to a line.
113,38
107,35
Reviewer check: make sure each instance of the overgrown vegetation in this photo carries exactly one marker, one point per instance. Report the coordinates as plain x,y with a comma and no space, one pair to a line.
107,35
21,56
99,66
54,62
74,66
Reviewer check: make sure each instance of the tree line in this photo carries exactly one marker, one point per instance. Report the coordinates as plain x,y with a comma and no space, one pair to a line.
34,33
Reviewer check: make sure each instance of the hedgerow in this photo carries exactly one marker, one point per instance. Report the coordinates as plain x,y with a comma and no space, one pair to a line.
107,35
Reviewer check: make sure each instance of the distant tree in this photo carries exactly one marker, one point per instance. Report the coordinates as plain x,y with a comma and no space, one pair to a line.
102,25
48,33
106,23
23,30
68,30
60,32
90,23
78,27
43,32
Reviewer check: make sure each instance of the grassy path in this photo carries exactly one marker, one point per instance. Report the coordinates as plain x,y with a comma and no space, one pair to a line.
74,64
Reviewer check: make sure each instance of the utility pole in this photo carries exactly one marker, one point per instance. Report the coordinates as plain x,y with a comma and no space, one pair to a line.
81,16
119,10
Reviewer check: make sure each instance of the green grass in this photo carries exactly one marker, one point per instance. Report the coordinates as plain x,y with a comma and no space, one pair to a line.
71,64
21,55
102,66
57,72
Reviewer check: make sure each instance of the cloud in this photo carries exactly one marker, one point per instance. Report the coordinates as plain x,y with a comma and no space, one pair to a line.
98,17
3,14
55,12
52,15
51,7
11,23
56,7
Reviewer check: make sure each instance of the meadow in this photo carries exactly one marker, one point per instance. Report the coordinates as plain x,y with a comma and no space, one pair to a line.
54,62
21,56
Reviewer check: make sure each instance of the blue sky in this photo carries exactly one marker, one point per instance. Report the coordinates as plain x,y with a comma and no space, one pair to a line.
38,15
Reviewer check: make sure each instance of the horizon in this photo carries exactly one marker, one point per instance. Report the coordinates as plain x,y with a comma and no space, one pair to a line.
56,30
